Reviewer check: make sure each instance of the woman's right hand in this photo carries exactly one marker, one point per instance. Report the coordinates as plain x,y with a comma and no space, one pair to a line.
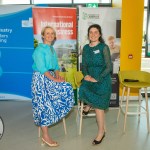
47,74
59,80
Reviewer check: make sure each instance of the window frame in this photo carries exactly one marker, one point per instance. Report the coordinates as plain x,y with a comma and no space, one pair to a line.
51,2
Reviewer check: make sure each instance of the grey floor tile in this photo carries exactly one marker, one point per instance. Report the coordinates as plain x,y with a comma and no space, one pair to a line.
21,133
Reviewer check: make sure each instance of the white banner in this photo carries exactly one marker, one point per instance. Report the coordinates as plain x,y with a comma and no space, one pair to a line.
110,21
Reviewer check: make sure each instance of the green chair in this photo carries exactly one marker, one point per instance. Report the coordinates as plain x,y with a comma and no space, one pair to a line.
136,80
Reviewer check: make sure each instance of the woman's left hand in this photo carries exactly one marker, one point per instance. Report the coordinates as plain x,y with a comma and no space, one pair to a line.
58,80
93,80
89,78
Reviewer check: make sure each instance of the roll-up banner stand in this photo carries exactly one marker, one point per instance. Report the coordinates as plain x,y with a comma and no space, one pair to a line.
63,20
110,21
16,48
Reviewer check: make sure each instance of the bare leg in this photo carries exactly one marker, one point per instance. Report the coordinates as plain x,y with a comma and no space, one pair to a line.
86,110
100,117
87,107
46,136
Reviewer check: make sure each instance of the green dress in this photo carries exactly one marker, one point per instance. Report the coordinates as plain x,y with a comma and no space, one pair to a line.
96,62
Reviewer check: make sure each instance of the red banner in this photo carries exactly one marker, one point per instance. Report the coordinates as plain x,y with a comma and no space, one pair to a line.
63,20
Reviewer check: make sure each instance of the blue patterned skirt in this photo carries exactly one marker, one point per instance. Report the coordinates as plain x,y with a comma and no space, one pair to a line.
51,101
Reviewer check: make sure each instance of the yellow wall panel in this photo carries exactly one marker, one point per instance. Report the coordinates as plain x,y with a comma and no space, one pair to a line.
131,34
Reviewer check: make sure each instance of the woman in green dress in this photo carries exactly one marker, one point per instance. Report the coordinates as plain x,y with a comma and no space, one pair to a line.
96,86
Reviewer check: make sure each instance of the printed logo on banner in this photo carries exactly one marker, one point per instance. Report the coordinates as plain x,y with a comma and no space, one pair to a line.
113,96
27,23
86,16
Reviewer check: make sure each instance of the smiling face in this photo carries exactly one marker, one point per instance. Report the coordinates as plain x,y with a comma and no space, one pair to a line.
48,35
94,35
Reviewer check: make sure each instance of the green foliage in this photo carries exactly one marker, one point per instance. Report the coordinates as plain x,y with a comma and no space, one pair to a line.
73,58
70,63
35,43
69,59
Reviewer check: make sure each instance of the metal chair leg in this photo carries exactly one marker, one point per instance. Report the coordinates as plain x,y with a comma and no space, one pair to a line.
126,111
139,107
120,105
147,110
81,117
78,111
64,123
39,131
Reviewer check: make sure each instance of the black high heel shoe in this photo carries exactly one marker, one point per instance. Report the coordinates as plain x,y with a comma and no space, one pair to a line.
86,112
95,142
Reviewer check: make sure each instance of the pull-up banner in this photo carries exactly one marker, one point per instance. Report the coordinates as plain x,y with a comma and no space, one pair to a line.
63,20
109,19
16,48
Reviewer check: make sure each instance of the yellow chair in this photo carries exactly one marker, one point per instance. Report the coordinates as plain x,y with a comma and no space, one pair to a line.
78,76
62,74
136,80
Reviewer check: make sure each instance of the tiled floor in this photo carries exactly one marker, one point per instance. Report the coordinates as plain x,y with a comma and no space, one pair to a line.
21,133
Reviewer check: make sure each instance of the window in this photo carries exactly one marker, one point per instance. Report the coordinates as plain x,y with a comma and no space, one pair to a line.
92,1
52,1
145,20
14,1
144,28
145,3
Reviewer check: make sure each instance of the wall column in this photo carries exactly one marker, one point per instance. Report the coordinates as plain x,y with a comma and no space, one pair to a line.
131,34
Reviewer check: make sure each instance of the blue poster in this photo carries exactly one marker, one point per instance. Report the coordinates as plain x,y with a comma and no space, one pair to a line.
16,48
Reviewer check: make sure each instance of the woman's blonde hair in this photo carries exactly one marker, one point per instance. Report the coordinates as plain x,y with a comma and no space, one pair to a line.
43,31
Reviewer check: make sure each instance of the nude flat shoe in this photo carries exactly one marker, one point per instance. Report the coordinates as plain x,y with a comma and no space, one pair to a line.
50,144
